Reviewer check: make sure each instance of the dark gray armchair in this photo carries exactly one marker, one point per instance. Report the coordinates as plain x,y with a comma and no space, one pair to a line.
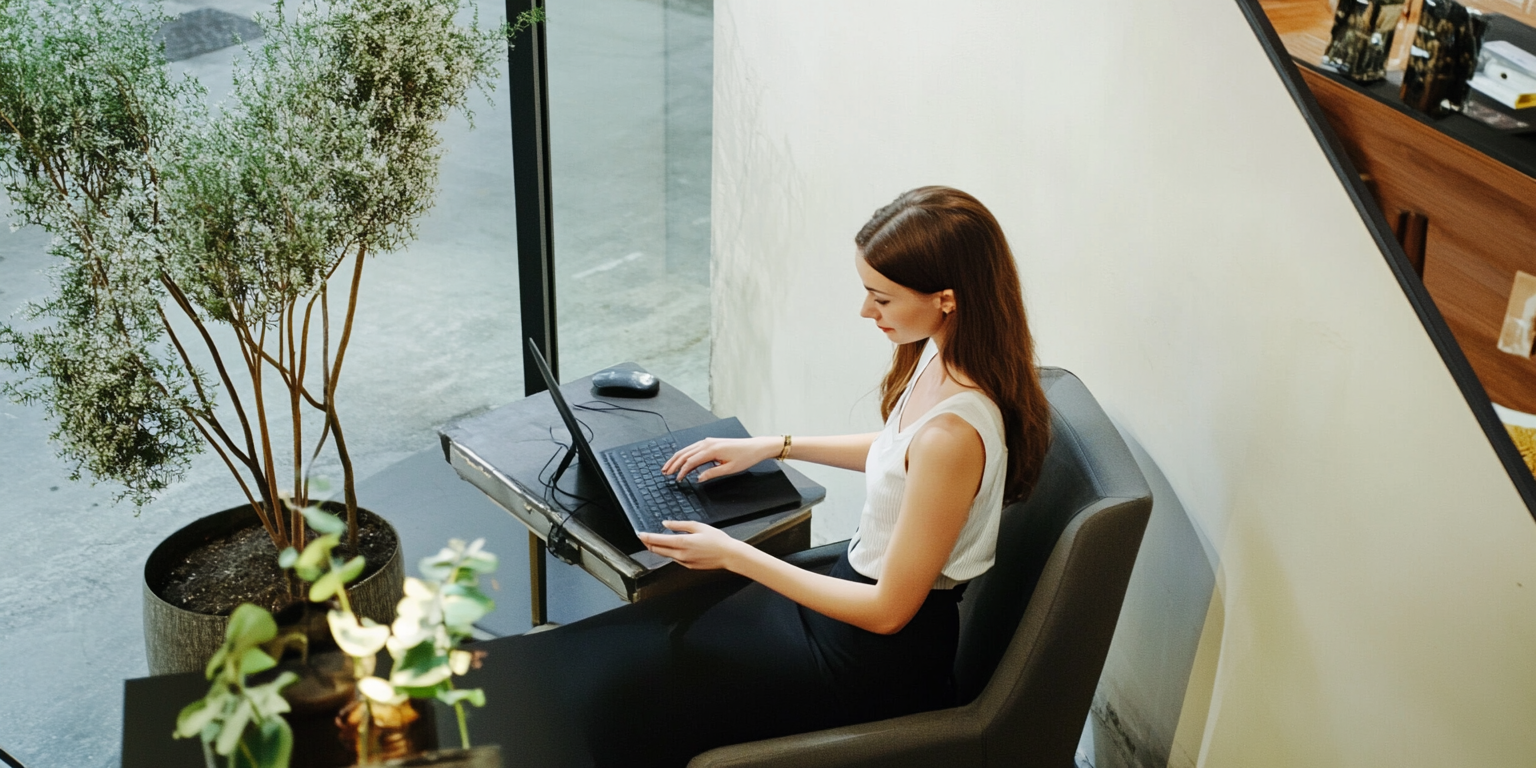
1034,630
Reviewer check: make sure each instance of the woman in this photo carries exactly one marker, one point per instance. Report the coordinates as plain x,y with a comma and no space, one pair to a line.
966,431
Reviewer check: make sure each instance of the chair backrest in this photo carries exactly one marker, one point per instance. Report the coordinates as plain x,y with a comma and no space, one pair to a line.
1036,628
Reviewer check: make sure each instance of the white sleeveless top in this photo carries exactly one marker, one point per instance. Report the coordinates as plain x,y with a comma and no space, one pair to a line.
885,479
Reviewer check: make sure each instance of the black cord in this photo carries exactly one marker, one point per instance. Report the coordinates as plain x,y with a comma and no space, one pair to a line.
607,407
11,761
558,544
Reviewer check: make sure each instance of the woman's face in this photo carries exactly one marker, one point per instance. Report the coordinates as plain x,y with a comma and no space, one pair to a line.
904,315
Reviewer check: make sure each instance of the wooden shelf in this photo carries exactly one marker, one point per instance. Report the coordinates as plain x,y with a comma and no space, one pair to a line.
1464,197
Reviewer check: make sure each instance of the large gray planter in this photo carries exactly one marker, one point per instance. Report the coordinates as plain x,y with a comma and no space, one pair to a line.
178,640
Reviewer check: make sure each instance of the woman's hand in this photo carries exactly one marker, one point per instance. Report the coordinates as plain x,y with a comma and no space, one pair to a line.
695,546
730,455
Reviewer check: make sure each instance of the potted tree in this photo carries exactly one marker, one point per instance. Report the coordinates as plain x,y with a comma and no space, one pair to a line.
218,252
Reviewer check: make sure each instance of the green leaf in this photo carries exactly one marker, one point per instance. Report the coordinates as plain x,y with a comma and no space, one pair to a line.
475,696
324,522
478,560
197,715
217,661
234,726
315,557
287,558
250,625
271,744
325,587
380,690
356,639
463,605
437,567
424,677
421,667
268,699
421,657
429,692
256,660
351,570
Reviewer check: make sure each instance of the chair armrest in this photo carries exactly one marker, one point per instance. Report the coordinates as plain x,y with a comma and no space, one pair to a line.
942,737
819,559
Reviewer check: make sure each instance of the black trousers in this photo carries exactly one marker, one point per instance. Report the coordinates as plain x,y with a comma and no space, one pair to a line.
655,683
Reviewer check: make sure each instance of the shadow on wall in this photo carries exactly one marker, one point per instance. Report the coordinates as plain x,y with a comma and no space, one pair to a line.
1161,665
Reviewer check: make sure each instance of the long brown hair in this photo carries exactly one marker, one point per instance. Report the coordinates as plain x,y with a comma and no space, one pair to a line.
936,238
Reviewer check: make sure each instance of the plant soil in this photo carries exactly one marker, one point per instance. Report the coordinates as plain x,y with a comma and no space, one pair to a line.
241,567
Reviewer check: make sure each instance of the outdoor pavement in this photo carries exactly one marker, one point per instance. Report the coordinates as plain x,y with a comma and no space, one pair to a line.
437,338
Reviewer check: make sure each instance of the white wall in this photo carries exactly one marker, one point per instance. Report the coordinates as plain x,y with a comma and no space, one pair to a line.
1187,251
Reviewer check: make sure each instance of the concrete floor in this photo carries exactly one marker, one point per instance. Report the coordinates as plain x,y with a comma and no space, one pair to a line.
437,338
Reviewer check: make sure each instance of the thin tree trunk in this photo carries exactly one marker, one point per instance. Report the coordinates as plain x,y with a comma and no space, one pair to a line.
348,481
269,467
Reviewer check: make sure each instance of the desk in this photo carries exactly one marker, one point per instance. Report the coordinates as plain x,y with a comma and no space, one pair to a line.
150,706
506,452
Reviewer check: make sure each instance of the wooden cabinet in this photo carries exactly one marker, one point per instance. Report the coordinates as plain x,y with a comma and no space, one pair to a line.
1467,219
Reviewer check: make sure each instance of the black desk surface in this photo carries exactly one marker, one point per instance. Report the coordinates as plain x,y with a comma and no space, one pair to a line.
509,452
150,706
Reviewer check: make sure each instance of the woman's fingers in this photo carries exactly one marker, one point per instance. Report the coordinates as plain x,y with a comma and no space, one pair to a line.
687,459
682,548
678,458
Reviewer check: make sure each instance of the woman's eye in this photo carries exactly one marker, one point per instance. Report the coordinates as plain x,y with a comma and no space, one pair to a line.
882,302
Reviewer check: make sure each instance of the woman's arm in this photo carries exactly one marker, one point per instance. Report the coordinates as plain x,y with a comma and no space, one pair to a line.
944,467
734,455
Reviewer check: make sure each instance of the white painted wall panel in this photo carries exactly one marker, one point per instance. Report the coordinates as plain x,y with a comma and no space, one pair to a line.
1185,249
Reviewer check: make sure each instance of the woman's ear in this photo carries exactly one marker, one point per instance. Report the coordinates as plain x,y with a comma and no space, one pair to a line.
947,300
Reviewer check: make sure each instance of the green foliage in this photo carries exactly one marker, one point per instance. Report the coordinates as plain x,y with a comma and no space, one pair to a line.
159,207
327,575
242,723
87,109
438,613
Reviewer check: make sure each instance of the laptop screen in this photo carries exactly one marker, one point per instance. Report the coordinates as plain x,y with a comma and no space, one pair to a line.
583,448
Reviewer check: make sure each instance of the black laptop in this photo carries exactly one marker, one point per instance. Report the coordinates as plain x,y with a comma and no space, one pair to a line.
632,479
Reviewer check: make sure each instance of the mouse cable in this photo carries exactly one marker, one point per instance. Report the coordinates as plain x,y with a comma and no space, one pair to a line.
603,406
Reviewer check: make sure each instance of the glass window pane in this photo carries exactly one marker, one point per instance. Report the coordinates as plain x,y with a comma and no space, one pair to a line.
629,92
436,336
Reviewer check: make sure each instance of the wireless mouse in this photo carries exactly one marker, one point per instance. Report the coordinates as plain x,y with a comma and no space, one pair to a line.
622,383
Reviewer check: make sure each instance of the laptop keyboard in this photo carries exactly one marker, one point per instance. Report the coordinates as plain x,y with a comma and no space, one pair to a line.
653,496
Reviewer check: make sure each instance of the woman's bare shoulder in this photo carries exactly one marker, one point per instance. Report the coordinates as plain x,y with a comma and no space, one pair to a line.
949,435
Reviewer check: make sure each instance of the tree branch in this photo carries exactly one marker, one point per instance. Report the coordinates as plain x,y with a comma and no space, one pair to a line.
269,465
218,361
293,405
277,540
346,328
201,395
